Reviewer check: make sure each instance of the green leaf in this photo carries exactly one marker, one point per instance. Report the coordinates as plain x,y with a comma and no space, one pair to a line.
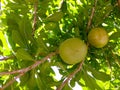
40,83
50,25
113,2
99,75
16,6
55,17
17,38
91,82
24,79
1,44
45,67
115,36
77,31
67,87
63,6
41,44
72,82
23,54
25,29
31,83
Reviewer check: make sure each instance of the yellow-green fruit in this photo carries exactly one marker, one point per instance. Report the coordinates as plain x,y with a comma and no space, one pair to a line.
73,51
98,37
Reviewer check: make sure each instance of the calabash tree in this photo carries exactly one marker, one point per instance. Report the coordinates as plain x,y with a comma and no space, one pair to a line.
31,35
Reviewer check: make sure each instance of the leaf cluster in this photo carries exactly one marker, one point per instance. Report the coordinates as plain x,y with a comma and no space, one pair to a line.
57,21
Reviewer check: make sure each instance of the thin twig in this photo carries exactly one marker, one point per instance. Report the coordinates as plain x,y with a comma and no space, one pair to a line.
91,16
12,81
119,3
6,57
35,16
70,76
30,67
24,70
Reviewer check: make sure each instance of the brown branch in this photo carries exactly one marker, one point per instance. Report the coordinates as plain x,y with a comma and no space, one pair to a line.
91,16
12,81
30,67
6,57
24,70
119,3
70,76
35,16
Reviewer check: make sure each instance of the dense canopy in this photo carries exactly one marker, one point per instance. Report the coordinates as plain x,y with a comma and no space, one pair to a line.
31,32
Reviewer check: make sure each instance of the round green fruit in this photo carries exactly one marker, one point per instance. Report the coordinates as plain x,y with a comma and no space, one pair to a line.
98,37
73,51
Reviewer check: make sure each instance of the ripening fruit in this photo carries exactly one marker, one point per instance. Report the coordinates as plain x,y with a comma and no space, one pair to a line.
73,51
98,37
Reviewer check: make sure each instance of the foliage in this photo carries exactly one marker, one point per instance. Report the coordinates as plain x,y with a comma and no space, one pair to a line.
28,36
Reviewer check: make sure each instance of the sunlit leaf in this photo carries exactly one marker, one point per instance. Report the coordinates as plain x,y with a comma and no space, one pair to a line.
90,82
99,75
32,29
55,17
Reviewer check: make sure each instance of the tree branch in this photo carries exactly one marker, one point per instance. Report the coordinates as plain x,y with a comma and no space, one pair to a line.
119,3
35,16
24,70
30,67
12,81
91,16
6,57
70,76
